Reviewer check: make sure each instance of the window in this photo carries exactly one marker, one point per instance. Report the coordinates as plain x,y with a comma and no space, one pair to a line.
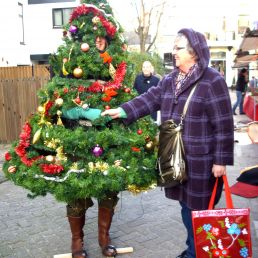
48,1
21,24
61,17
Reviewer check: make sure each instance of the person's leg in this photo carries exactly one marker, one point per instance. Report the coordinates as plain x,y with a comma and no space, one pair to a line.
187,220
238,101
105,215
76,216
241,109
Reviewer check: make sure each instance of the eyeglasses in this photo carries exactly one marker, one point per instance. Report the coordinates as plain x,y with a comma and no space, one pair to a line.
178,48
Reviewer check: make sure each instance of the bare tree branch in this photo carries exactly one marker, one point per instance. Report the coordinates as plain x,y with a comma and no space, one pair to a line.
146,22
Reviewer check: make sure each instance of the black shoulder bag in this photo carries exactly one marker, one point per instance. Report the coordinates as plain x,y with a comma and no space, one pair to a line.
171,164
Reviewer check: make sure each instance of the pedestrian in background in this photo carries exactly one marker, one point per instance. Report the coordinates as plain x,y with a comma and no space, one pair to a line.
241,87
253,83
146,80
208,130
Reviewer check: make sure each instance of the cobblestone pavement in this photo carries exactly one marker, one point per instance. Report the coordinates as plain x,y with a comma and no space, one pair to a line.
148,222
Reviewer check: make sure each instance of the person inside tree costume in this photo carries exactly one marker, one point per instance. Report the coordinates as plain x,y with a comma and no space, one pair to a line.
66,148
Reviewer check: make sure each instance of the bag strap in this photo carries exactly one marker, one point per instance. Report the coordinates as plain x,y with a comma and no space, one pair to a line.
187,103
229,202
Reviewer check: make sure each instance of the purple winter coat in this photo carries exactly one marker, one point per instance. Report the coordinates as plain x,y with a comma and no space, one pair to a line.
208,133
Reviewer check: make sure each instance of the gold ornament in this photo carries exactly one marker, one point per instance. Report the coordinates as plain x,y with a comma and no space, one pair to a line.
59,120
118,162
50,158
60,154
112,71
52,143
12,169
59,101
85,47
74,166
95,19
149,146
77,72
65,73
41,109
36,136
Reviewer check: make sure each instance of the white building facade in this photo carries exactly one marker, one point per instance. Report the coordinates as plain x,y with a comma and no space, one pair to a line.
32,29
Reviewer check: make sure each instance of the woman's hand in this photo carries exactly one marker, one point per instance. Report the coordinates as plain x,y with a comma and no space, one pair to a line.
113,113
218,170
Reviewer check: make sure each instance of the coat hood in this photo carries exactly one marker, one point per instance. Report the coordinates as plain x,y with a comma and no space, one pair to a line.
199,44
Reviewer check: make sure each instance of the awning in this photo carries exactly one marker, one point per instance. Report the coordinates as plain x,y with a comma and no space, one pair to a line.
248,49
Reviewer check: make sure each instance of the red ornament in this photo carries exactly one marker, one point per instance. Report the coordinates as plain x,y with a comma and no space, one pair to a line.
127,90
77,100
216,252
135,149
139,131
66,90
107,107
7,156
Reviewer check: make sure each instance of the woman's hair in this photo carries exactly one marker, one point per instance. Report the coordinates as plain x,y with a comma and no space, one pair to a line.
243,70
188,46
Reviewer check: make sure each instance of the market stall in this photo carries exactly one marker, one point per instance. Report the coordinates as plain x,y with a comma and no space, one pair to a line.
251,107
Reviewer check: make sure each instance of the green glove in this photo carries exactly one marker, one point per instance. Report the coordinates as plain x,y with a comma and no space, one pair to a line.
81,113
122,113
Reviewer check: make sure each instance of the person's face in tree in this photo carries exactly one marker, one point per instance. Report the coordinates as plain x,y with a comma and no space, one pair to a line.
100,43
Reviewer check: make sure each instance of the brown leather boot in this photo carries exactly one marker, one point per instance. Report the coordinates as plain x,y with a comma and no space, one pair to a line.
76,225
104,222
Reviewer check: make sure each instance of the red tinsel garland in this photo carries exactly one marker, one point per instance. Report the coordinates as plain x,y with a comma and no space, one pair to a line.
23,144
84,10
111,85
52,168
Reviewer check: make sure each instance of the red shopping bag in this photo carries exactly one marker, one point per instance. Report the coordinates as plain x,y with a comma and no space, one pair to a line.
222,233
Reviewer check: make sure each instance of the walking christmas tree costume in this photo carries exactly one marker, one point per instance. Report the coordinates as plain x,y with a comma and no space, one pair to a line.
66,148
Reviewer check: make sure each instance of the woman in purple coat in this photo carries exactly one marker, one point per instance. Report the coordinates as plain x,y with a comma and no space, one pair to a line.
208,126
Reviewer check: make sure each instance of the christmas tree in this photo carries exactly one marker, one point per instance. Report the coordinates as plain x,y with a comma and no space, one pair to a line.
66,148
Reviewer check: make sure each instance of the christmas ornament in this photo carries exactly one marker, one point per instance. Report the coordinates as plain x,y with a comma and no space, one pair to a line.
36,136
150,146
65,73
85,106
139,131
85,47
59,101
112,71
77,100
97,151
77,72
41,109
12,169
73,29
118,162
127,90
107,107
59,120
7,156
95,19
49,158
65,60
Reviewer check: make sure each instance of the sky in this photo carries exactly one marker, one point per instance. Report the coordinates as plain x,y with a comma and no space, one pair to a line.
199,14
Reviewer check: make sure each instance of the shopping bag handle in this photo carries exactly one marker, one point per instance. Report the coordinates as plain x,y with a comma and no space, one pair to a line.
229,202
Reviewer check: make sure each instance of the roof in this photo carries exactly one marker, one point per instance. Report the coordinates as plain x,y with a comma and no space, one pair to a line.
248,49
